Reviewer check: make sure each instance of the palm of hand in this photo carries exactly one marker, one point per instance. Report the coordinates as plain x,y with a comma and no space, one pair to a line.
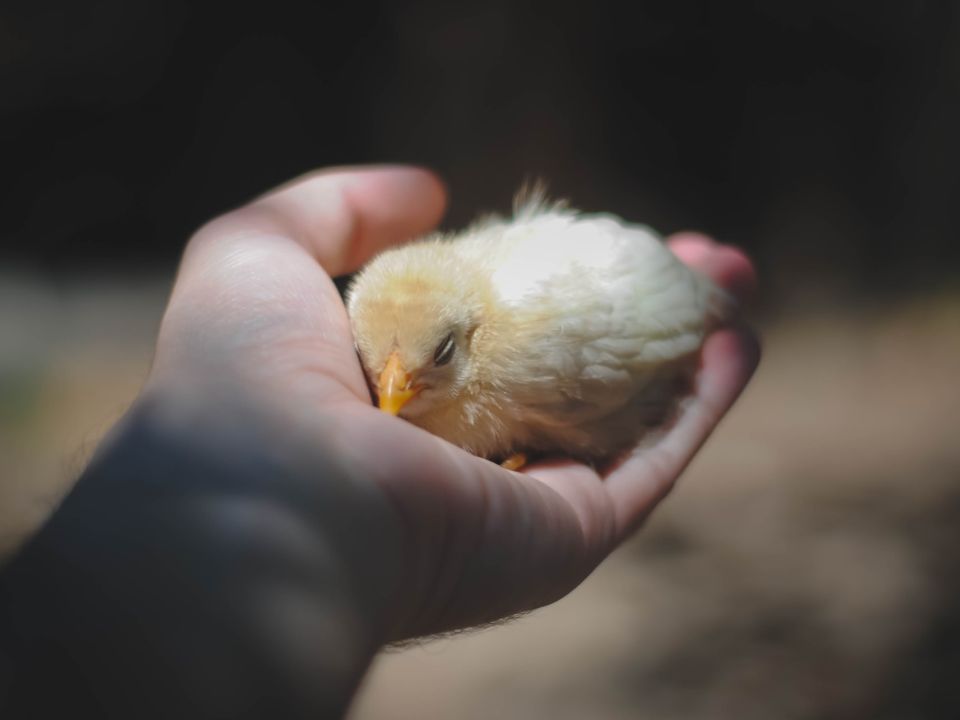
254,308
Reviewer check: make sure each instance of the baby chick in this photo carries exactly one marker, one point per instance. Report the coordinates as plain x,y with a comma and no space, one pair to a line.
553,333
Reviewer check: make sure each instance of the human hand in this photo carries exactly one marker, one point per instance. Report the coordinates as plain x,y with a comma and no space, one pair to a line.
256,335
255,529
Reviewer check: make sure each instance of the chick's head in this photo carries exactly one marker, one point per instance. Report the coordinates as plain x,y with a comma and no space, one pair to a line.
414,313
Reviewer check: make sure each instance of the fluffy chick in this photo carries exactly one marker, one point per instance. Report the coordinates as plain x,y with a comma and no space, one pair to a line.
552,333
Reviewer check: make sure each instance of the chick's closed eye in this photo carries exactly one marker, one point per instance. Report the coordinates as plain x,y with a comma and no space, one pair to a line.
579,327
444,352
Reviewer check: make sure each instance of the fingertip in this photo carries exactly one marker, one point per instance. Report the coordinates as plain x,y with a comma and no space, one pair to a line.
392,204
345,215
690,241
735,271
727,265
402,185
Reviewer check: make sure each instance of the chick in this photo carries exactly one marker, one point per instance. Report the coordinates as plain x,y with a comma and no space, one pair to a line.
553,333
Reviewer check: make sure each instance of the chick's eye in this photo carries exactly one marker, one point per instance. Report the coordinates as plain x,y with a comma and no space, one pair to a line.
444,352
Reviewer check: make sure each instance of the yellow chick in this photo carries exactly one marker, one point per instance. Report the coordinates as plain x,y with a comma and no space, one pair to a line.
552,333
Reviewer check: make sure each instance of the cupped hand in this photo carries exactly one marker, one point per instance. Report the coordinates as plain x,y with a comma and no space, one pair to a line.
256,334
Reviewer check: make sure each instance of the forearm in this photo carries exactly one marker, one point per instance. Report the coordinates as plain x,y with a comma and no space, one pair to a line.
191,577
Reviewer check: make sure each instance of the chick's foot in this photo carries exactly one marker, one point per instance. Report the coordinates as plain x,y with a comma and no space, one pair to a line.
515,461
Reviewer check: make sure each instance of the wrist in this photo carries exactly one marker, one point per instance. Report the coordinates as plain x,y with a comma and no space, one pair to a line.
201,557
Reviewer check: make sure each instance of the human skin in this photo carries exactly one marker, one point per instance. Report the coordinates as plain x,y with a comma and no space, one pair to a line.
254,529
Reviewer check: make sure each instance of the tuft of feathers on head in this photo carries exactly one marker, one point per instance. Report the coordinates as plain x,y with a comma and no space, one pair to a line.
532,199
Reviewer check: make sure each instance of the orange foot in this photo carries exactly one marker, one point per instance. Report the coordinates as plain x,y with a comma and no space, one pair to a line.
515,461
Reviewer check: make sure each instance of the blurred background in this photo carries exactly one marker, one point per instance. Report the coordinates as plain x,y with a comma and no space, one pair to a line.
807,566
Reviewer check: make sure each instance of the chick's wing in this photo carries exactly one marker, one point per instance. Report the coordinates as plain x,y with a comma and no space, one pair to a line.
601,311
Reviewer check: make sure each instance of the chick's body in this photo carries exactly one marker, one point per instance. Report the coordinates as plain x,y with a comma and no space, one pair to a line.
569,332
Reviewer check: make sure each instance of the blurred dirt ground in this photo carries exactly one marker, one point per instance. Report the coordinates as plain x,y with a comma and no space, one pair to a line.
805,567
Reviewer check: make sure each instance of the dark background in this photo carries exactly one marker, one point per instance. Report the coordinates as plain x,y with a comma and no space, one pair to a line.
822,136
806,567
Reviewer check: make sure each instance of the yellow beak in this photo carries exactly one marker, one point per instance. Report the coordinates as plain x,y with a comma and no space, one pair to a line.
394,386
